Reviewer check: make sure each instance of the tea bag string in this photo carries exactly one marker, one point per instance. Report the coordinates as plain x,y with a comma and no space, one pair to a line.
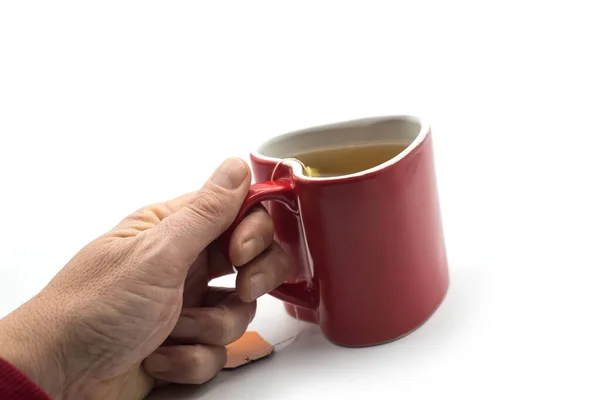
280,162
296,333
297,329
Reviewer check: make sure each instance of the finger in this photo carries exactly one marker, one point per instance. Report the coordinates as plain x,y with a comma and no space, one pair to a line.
212,210
215,295
218,264
219,323
263,274
251,237
211,264
196,282
186,364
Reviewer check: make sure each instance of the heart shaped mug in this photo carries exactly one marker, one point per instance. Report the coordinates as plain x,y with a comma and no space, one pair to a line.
368,247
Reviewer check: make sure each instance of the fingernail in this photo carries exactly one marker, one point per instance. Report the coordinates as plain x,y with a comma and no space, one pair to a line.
157,362
186,327
230,174
258,285
249,247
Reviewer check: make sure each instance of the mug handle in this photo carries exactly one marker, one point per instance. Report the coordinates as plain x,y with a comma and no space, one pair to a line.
282,191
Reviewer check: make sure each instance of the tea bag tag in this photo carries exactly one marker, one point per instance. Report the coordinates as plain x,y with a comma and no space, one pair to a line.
250,347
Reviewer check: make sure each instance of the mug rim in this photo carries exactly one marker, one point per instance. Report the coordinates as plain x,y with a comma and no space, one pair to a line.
297,169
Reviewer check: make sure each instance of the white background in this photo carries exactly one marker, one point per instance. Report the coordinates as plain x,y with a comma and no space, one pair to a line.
107,106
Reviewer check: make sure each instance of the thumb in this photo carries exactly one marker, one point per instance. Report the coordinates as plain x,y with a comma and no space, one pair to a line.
210,211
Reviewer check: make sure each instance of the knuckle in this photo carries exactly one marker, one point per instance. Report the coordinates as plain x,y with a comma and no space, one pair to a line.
159,211
255,235
147,214
207,362
229,326
209,206
198,358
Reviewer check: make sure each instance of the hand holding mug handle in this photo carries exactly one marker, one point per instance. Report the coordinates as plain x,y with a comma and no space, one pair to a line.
282,191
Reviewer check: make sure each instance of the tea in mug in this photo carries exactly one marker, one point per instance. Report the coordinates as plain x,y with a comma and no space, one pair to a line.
347,160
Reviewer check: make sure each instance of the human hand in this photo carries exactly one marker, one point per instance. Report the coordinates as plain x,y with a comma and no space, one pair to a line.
133,308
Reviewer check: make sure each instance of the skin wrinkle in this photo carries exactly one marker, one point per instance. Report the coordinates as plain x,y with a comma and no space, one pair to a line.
209,213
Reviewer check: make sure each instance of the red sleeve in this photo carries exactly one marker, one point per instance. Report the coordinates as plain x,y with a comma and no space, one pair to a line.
14,385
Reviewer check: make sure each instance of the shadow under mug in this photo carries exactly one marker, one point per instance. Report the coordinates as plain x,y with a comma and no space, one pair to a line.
368,248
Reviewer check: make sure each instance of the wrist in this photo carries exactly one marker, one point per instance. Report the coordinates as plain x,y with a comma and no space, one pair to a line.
30,345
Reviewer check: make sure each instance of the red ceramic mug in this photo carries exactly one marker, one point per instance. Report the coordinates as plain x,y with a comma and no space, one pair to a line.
368,248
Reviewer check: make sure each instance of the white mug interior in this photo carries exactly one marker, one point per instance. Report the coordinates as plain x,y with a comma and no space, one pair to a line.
406,130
